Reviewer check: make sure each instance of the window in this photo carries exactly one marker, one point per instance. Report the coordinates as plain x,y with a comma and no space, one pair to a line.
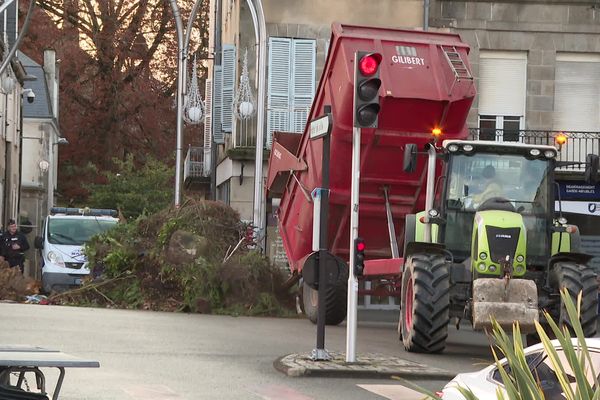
291,85
228,86
223,192
502,91
577,103
577,92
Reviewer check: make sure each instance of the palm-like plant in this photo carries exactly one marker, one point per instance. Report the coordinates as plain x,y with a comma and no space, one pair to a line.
577,377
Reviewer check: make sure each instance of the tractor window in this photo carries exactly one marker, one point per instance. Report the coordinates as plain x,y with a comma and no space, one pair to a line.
513,180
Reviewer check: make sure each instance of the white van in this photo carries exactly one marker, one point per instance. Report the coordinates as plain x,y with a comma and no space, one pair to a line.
64,234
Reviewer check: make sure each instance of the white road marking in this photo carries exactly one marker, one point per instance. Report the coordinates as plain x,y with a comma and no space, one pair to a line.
278,392
394,392
151,392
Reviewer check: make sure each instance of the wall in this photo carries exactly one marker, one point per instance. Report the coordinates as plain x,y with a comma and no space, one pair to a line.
540,28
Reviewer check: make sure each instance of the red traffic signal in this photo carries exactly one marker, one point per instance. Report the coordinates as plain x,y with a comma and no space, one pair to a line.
359,256
366,89
369,63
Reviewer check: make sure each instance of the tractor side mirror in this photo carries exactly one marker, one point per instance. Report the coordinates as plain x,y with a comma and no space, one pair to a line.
410,157
38,242
592,164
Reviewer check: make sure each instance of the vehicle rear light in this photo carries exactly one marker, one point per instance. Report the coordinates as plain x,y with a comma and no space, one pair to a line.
439,394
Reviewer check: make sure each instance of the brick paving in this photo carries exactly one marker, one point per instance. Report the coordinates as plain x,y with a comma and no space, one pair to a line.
367,366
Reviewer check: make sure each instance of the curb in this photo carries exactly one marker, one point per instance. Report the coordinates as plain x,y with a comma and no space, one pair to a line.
366,366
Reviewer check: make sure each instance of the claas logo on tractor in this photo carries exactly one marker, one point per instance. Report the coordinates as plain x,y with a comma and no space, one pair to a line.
366,89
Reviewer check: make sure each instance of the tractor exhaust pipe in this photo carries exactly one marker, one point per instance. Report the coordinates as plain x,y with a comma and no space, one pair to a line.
430,190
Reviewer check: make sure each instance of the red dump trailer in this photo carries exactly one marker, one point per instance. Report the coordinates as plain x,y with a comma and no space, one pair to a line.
426,84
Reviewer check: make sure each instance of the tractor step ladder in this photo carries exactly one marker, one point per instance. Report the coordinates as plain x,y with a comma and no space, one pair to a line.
461,72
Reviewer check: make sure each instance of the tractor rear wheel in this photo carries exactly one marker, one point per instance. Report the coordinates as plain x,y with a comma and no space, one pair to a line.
425,303
577,278
336,300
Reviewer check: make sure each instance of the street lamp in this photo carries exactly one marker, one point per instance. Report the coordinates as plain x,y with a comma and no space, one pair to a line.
60,141
183,45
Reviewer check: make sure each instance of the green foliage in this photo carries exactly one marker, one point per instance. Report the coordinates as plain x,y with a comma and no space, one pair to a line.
134,189
174,261
520,383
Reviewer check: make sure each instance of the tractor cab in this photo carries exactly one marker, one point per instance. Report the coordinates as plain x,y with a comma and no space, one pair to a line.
506,187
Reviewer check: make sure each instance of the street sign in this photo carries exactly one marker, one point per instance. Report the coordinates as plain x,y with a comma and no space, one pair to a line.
320,127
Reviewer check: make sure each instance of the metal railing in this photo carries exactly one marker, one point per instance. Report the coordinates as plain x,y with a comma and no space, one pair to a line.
578,144
197,163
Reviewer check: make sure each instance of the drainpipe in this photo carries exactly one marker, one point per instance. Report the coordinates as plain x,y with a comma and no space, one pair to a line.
426,15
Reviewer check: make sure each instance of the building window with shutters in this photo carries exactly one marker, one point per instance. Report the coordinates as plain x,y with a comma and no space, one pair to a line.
502,93
577,103
291,84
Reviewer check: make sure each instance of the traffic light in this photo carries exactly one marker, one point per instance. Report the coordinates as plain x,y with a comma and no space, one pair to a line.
359,256
366,89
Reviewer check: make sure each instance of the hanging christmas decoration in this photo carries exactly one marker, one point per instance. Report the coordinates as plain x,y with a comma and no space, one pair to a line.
194,106
244,106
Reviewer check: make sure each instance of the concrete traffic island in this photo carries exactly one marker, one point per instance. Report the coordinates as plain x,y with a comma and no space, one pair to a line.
366,366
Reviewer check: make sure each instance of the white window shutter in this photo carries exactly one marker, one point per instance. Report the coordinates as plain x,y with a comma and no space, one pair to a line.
303,77
577,93
229,70
207,126
217,106
278,91
577,102
502,83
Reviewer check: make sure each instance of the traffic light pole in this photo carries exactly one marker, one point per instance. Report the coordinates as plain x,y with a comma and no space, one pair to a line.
352,281
320,353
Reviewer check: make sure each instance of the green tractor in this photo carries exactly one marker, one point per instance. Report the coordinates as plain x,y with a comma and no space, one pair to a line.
490,244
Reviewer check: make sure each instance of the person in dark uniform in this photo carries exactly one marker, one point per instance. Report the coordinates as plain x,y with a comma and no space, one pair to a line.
12,246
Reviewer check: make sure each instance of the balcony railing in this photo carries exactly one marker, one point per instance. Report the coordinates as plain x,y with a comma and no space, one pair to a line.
197,163
576,148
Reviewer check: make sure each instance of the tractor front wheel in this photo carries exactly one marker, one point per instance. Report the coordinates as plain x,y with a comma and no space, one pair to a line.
425,303
577,278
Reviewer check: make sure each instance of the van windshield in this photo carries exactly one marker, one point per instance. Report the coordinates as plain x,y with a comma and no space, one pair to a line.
76,231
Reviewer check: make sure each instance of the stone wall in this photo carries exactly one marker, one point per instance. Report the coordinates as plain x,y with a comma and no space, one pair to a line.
540,28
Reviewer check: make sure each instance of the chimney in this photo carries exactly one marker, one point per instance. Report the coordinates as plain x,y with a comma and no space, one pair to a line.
51,72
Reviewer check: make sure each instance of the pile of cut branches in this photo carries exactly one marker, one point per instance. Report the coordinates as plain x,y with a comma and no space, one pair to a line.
182,260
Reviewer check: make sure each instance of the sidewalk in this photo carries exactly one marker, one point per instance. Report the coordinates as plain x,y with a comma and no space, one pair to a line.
366,366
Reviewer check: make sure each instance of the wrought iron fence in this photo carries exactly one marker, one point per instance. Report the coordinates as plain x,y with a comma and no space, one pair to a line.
575,149
197,162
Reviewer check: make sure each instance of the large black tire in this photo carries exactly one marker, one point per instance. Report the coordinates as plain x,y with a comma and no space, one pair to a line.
336,300
577,278
425,303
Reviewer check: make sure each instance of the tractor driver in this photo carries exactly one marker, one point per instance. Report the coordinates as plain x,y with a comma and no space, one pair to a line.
491,185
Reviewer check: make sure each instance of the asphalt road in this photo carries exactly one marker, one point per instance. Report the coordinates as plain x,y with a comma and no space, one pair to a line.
157,356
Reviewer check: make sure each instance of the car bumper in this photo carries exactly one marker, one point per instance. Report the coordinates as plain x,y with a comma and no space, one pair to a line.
59,282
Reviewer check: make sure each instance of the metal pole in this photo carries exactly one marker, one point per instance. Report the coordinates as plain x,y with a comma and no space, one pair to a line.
180,94
259,201
22,34
321,353
216,62
430,189
352,281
